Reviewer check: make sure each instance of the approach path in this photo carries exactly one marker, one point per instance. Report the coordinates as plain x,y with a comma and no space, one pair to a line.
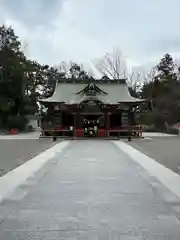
91,190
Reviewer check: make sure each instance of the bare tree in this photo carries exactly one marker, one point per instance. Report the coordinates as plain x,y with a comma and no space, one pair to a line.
64,68
112,65
134,82
137,79
177,68
72,69
134,78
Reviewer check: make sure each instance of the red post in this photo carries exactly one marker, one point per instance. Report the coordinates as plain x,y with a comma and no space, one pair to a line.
107,124
74,133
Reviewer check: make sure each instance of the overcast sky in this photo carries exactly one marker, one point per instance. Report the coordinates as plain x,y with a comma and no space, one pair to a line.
82,30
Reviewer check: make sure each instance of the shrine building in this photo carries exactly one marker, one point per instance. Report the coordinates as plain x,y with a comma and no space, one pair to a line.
94,108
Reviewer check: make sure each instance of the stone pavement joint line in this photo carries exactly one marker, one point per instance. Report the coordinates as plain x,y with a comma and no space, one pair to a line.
93,190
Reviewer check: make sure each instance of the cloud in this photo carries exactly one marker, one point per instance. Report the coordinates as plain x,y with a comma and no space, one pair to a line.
33,12
81,30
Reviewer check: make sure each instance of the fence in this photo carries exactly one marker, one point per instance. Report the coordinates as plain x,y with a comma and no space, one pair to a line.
132,131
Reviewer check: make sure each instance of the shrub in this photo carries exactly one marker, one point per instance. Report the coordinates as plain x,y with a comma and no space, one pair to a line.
18,122
151,128
29,128
172,130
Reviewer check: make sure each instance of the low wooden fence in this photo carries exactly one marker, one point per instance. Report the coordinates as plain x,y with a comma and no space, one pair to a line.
133,131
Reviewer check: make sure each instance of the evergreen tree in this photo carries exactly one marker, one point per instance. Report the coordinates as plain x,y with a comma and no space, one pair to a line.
166,66
164,93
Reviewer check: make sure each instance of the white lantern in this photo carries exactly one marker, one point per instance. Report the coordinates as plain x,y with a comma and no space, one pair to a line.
95,128
56,107
71,128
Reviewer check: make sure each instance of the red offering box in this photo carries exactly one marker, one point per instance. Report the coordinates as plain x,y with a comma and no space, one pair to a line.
13,131
80,132
102,133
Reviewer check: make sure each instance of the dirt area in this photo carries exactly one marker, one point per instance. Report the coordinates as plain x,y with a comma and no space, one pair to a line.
166,150
14,153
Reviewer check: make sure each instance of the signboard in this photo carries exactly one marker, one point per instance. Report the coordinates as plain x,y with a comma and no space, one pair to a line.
56,107
125,118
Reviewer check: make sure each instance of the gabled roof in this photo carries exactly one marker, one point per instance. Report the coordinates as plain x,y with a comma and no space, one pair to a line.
92,89
105,91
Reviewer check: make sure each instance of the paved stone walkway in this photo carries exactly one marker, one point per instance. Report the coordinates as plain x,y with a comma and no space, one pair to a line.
91,191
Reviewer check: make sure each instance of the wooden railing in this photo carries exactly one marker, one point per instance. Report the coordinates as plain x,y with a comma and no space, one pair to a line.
131,131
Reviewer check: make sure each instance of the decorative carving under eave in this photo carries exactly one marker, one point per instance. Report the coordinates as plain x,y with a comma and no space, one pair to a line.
92,89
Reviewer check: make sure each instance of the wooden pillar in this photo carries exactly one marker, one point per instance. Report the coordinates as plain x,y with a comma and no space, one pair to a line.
107,123
130,124
74,127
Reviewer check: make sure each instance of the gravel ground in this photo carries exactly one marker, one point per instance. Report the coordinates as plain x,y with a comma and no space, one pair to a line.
14,153
166,150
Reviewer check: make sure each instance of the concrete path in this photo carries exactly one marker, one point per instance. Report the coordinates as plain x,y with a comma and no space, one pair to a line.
22,136
91,190
157,134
